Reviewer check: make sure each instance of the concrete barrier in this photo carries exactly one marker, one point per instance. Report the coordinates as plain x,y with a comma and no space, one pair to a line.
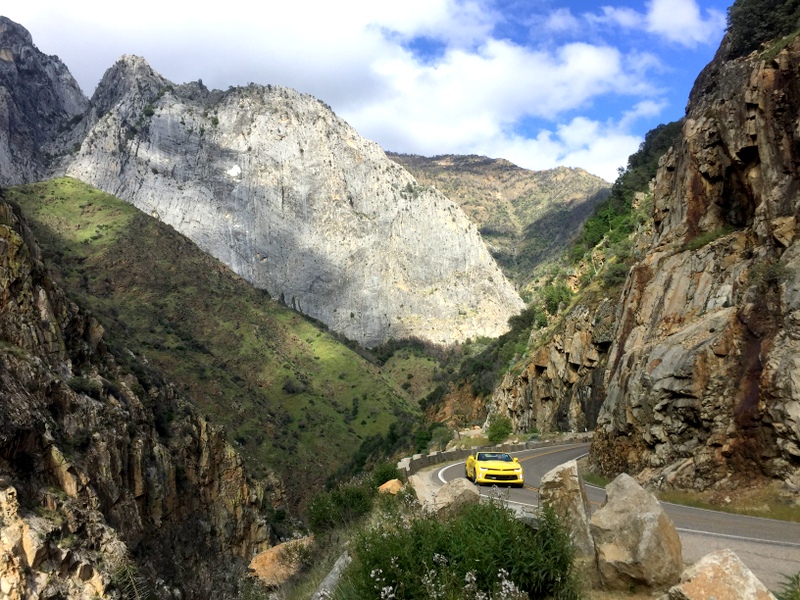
410,465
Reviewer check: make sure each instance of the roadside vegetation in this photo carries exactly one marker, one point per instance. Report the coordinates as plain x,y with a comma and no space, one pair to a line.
399,551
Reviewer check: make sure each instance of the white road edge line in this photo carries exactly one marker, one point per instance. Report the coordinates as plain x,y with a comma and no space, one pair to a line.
738,537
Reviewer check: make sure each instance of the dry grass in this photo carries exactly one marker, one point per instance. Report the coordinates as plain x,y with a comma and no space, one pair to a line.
767,499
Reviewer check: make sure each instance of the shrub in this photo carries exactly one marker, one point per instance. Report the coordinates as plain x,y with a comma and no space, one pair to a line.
84,385
790,587
499,429
707,237
479,552
615,275
383,473
339,507
554,294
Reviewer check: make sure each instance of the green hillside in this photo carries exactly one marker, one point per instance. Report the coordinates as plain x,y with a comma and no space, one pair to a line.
292,397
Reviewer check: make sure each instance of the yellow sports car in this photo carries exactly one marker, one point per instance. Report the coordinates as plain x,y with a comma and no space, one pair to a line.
494,467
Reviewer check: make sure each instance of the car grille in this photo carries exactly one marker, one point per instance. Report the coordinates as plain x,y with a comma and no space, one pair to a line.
497,477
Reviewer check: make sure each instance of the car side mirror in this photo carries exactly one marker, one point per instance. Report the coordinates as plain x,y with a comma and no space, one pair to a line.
516,459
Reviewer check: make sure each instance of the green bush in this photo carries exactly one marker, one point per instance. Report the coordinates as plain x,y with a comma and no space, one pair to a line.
499,429
478,553
337,508
790,587
554,294
84,385
707,237
385,472
615,275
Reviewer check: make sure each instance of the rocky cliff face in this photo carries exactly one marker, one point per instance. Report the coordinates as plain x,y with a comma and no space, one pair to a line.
107,480
38,101
525,217
702,379
273,184
561,387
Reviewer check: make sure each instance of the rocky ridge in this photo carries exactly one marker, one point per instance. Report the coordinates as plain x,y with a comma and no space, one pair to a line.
701,380
39,100
695,363
267,180
560,387
273,184
525,217
106,479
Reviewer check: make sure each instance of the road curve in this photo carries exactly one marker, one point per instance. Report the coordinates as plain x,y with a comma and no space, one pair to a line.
768,547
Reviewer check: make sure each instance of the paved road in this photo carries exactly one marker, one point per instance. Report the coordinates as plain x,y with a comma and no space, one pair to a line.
770,548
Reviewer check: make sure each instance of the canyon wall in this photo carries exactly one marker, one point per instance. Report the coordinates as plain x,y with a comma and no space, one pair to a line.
108,478
702,378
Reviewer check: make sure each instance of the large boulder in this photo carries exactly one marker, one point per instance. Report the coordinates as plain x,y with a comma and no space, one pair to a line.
280,563
393,486
719,575
455,494
636,542
563,491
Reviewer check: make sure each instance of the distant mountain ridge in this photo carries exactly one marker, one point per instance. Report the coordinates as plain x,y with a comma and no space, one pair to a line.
526,217
273,184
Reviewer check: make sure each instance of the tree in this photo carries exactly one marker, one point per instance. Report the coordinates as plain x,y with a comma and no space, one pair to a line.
753,22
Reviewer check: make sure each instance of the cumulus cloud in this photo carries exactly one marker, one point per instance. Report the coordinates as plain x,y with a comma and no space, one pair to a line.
562,20
677,21
680,21
360,57
624,17
470,101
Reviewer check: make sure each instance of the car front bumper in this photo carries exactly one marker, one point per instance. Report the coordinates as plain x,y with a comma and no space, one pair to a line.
499,477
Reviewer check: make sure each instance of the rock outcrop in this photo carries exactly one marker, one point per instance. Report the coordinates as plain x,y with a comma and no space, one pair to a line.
525,217
455,494
39,100
636,542
103,474
267,180
561,387
702,379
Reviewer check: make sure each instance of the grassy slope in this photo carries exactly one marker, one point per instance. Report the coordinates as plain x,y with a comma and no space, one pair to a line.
291,396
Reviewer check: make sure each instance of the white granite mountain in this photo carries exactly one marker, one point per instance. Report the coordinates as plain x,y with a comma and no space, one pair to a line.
273,184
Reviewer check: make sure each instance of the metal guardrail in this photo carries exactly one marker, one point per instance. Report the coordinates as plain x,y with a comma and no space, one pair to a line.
410,465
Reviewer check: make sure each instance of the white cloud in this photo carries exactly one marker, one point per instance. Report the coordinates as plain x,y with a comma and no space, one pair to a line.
598,148
643,109
680,21
622,17
471,102
562,20
677,21
350,54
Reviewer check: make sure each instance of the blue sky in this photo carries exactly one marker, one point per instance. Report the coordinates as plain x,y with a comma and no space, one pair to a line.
538,82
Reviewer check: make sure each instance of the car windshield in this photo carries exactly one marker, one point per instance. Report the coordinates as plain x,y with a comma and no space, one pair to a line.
495,456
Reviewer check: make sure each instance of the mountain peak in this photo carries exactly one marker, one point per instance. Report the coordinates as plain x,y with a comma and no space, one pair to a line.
41,98
11,33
